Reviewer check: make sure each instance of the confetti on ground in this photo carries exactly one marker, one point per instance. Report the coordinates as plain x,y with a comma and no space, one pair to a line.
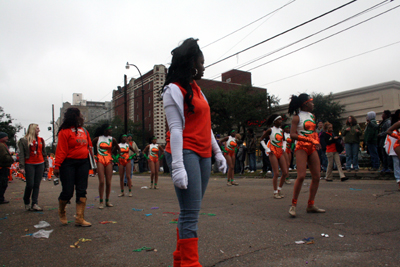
137,209
299,242
145,249
3,218
355,189
148,214
53,209
341,235
18,198
70,221
310,243
211,214
154,208
144,187
173,222
75,245
169,212
106,222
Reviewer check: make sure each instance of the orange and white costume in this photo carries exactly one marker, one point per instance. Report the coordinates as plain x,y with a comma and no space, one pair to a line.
124,158
306,128
104,147
392,142
230,146
51,167
288,142
275,143
153,152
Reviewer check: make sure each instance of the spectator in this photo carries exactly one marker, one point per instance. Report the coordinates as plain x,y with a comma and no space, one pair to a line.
251,142
32,163
393,144
322,151
332,153
351,133
266,163
371,140
241,156
5,163
382,128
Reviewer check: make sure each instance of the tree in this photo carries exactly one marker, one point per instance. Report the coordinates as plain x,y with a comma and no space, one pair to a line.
325,109
239,109
7,127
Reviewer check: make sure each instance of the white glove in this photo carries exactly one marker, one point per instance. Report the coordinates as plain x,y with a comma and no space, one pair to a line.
221,162
266,148
179,178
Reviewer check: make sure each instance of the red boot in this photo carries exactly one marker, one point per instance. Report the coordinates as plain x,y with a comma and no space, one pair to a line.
189,252
177,253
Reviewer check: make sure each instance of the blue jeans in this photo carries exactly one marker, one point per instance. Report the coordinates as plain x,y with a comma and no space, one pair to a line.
252,161
33,175
352,155
373,152
396,168
198,170
323,159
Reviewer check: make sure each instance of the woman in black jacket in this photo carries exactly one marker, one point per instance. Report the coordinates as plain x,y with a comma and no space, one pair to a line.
331,152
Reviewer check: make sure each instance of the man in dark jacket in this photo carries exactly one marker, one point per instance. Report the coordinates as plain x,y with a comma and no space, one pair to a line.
5,163
251,144
382,128
371,140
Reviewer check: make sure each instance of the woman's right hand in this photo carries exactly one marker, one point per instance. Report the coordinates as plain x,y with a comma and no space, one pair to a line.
179,177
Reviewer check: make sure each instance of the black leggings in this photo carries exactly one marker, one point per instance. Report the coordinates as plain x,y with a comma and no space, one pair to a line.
74,174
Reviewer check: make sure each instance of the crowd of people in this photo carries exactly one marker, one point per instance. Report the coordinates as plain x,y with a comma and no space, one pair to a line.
190,148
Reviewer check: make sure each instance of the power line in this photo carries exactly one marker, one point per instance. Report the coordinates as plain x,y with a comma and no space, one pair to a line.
309,36
332,63
248,24
301,48
284,32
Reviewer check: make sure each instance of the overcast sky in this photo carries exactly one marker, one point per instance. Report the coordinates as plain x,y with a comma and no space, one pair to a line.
52,49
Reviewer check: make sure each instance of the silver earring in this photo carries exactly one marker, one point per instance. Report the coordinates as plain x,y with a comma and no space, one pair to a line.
194,75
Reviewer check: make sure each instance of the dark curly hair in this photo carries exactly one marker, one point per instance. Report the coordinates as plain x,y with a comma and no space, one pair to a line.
100,130
180,71
296,102
72,118
353,121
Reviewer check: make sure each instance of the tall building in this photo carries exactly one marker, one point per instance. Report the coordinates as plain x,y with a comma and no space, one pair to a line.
92,111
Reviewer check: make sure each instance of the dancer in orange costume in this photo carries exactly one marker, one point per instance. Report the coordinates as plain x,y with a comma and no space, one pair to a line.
124,164
51,166
276,151
105,146
303,130
230,149
151,153
288,147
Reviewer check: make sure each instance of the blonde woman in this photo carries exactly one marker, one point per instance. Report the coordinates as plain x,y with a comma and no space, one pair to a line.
32,162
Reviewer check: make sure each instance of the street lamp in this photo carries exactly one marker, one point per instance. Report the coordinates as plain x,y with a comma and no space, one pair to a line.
141,77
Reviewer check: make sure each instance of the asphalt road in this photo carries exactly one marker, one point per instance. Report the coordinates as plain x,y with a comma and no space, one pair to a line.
249,228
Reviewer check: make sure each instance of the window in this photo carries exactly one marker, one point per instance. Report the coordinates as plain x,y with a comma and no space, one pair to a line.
149,113
149,100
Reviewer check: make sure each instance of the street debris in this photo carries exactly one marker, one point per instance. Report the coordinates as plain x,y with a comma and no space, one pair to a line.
137,209
155,208
144,187
145,249
42,224
42,234
106,222
147,215
75,245
341,235
355,189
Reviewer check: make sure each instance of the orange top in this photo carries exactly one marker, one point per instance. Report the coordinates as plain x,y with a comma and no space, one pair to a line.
72,145
331,147
197,132
35,152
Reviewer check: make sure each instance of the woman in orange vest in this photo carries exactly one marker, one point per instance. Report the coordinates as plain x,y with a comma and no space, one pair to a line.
275,149
189,143
230,149
303,130
105,145
32,163
151,153
124,164
72,165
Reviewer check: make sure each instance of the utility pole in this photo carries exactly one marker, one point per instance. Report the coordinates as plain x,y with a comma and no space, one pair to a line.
125,105
54,131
